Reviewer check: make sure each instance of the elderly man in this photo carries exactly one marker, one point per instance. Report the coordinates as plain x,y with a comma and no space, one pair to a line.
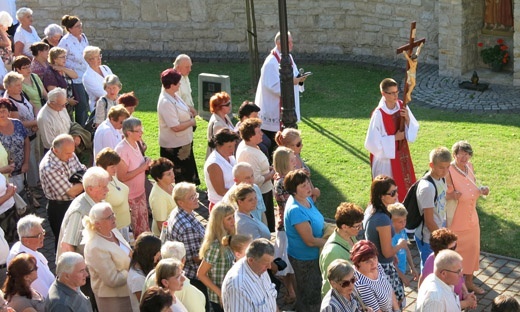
182,65
268,92
53,118
31,235
108,133
56,167
64,293
436,292
247,283
95,183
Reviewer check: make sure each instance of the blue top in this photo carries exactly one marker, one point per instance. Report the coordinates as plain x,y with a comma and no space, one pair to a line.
376,220
296,214
401,254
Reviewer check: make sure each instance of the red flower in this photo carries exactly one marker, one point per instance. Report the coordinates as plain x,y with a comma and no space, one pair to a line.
500,41
506,55
480,44
504,47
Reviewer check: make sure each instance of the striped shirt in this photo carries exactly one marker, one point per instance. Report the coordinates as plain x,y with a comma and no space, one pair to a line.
244,290
376,294
335,302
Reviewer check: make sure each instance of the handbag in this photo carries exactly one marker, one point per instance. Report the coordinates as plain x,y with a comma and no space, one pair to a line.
451,206
19,204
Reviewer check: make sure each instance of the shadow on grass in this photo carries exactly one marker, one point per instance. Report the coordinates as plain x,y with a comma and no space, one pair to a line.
498,232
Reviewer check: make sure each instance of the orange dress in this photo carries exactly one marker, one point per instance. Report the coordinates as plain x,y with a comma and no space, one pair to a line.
465,222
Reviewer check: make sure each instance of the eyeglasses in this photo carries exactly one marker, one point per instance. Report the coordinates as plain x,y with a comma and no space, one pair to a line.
299,144
392,93
34,269
40,235
347,283
194,196
392,193
357,227
453,248
456,272
111,216
26,67
227,104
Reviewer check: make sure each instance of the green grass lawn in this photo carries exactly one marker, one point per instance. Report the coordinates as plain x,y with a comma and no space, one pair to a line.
336,107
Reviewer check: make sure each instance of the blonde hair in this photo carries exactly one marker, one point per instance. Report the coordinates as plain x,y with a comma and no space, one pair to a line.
215,230
237,242
397,210
181,189
282,160
287,136
90,51
240,193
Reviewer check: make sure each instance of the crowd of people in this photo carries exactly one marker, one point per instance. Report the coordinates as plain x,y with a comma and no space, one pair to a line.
67,132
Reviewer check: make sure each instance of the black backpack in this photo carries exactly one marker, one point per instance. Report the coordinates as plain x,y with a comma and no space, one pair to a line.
414,217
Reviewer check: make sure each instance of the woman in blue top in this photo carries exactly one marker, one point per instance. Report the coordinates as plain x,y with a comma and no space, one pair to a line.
304,226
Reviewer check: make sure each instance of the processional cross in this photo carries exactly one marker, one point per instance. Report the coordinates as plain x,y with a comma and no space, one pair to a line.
411,66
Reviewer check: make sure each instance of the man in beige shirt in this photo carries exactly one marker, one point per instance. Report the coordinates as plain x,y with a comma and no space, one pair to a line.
182,65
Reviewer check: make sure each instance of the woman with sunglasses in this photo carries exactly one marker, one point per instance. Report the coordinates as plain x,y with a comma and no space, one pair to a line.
445,239
220,107
342,296
371,282
379,229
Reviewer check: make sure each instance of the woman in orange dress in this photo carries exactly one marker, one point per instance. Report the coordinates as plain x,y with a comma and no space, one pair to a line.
462,185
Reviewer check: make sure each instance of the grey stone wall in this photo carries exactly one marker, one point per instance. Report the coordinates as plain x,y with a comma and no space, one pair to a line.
516,44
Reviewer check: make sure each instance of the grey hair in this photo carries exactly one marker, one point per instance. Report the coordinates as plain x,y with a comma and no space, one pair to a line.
129,124
462,146
67,262
181,189
173,250
95,215
27,223
179,59
61,140
94,176
53,30
259,247
112,80
22,12
239,167
55,93
5,19
89,51
338,269
445,260
12,77
277,37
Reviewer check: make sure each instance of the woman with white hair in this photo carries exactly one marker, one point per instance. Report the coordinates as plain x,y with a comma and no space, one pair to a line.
53,34
5,43
107,257
95,74
25,35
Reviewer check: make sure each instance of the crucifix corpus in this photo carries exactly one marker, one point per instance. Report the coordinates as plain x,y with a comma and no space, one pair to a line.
411,65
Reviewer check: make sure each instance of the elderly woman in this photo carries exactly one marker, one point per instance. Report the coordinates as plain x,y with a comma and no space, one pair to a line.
6,55
94,76
170,276
176,124
40,52
217,258
129,101
25,34
218,169
304,226
112,86
32,85
220,107
58,76
131,171
108,133
107,255
146,254
53,34
19,141
244,197
379,229
371,281
161,199
249,152
23,270
349,219
462,186
117,195
184,227
156,299
74,42
341,296
445,239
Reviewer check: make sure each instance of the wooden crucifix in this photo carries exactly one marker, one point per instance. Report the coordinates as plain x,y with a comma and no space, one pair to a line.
411,66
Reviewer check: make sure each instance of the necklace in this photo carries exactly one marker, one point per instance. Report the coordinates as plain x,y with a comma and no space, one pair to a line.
466,173
135,149
113,182
104,236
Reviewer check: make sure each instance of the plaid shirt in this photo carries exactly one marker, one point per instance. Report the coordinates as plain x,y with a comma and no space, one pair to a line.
54,175
185,228
221,259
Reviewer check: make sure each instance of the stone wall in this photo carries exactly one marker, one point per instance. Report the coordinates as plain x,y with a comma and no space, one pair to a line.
368,27
516,44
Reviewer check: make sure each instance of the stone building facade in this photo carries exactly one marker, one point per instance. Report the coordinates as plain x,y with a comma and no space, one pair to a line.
322,29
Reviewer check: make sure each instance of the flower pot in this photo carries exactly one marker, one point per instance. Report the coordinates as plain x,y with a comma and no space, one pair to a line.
497,67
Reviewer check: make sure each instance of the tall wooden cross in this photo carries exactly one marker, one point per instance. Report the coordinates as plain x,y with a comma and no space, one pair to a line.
409,50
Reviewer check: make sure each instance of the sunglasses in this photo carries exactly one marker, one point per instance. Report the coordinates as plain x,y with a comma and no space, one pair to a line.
392,193
227,104
453,248
299,144
347,283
